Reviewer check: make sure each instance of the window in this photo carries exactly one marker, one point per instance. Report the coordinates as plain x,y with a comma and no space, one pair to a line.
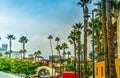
96,70
101,71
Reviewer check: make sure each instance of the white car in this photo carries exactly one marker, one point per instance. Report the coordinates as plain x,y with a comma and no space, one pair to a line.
44,76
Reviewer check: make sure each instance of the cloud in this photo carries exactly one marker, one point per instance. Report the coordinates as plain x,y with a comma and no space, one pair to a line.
37,20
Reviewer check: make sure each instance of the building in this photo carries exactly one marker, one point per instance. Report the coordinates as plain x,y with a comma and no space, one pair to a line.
3,49
54,57
100,69
15,54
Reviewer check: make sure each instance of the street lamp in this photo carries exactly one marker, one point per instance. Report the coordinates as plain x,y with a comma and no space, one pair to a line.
87,16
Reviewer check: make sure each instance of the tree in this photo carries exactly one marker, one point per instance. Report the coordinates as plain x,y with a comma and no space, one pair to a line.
7,53
35,54
97,37
39,52
72,39
10,38
58,48
83,4
23,40
57,39
50,38
77,27
68,53
110,38
64,47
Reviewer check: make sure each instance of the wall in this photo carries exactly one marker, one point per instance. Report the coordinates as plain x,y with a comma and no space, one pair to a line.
100,69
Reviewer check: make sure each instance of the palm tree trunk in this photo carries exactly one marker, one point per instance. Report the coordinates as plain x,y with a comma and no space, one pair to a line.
52,55
10,48
23,50
60,62
104,30
74,59
110,37
85,48
79,47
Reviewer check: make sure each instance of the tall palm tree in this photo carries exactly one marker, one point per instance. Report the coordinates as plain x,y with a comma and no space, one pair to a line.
64,47
83,4
77,27
58,48
114,7
23,40
110,38
57,39
72,39
101,7
10,38
50,38
98,36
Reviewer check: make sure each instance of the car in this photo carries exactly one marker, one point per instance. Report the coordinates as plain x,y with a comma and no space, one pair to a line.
44,76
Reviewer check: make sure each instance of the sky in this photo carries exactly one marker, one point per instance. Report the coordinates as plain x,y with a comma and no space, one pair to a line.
37,19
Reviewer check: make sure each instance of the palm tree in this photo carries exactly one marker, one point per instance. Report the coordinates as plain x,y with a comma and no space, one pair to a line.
35,54
115,7
77,27
58,48
39,52
72,39
64,55
101,12
30,55
23,40
110,38
68,53
50,38
64,47
10,38
57,39
83,4
98,36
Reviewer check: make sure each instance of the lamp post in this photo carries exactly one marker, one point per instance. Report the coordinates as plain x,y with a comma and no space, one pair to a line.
87,16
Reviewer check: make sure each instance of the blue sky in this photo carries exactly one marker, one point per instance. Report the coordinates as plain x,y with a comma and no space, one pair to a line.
37,19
